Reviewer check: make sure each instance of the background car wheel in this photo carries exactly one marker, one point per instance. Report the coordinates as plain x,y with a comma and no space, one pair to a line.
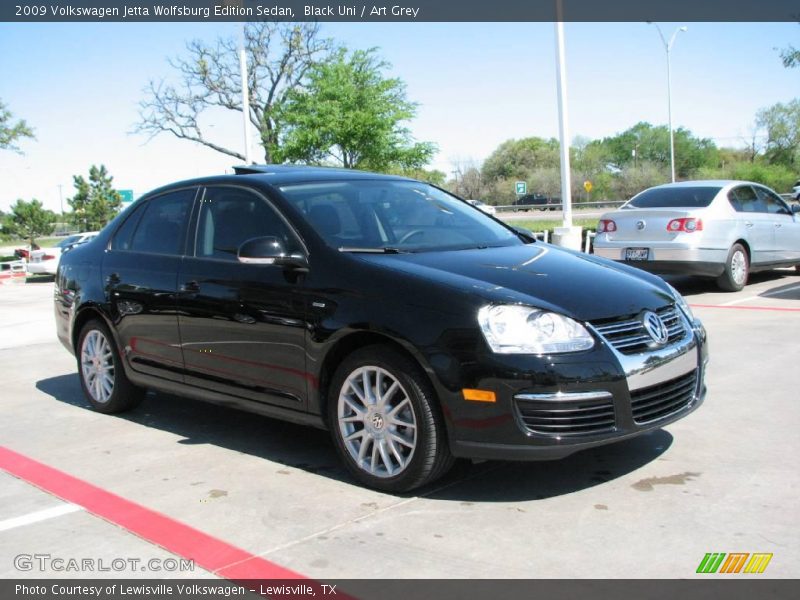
385,423
103,379
737,268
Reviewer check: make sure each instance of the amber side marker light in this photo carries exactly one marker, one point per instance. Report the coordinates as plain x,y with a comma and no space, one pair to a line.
479,395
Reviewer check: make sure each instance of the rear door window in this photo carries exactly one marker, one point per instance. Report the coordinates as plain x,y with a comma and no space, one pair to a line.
744,199
161,229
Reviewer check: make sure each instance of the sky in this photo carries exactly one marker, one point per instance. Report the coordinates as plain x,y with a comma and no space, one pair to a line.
477,84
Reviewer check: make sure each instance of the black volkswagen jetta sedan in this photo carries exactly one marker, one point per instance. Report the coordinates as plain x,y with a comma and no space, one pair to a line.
413,326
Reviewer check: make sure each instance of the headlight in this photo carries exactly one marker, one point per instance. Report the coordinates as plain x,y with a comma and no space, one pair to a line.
681,302
514,329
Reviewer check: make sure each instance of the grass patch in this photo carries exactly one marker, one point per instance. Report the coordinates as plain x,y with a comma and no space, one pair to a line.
45,242
551,224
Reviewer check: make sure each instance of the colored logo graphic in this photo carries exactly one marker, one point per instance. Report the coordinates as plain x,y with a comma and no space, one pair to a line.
736,562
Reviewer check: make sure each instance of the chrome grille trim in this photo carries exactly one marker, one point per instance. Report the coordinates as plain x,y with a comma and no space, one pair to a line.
628,335
582,413
664,399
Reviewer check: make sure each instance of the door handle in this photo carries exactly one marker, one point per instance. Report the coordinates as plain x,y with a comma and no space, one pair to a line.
190,286
748,224
778,224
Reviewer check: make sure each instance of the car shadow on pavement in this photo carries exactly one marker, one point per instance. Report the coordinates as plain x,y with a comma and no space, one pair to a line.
539,480
311,450
790,291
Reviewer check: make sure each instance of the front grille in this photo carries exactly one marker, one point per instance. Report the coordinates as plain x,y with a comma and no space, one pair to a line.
663,399
629,336
579,417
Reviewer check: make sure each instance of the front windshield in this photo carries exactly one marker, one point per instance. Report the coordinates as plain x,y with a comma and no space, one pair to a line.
385,215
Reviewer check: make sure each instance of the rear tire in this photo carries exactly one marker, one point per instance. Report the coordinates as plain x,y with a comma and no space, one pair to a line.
385,423
102,375
737,269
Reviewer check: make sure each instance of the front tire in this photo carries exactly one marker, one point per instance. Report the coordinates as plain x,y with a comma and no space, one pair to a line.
384,421
737,268
102,376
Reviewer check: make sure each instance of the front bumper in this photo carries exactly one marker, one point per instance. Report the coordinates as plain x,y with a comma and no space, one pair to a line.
565,404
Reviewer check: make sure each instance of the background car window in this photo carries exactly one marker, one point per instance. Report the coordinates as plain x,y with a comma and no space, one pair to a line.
161,227
674,197
774,204
744,199
230,216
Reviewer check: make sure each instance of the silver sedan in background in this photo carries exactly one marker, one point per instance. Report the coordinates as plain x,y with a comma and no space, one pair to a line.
719,229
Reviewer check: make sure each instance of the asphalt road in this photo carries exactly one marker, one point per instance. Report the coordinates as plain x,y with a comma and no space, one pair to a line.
724,479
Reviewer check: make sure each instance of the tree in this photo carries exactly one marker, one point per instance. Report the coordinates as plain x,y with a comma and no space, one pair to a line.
352,116
96,201
432,176
278,58
633,179
11,132
31,220
790,57
516,159
647,143
782,124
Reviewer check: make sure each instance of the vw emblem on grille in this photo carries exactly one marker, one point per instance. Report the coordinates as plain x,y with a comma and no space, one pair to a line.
655,327
640,225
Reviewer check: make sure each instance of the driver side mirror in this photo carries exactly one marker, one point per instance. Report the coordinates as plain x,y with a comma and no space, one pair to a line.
795,208
269,250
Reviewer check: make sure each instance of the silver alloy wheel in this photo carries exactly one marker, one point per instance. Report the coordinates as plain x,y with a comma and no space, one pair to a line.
97,366
376,421
739,267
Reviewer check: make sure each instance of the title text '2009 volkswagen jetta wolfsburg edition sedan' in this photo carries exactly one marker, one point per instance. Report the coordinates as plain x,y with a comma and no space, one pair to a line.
410,324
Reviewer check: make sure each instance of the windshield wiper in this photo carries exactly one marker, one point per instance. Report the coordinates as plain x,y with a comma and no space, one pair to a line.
384,250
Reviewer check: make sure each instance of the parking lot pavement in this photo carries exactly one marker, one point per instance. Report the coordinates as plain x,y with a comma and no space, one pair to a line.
721,480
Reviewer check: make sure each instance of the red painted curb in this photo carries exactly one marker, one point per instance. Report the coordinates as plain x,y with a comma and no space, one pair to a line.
778,308
208,552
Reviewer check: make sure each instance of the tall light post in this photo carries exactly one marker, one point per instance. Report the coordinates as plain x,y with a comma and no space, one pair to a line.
668,48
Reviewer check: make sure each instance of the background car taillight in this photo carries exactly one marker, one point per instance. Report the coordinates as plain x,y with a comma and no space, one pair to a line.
685,225
606,226
48,257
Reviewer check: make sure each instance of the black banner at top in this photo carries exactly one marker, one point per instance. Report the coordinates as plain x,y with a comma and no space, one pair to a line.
398,10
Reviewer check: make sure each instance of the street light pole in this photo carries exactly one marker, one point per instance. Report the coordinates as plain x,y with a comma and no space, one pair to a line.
668,49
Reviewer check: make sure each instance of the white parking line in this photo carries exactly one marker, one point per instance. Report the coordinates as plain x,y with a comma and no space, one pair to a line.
739,301
39,515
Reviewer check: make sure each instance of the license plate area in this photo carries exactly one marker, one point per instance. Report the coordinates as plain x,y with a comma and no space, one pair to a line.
637,253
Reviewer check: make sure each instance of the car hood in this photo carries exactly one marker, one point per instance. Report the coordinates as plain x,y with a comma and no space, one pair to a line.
580,286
